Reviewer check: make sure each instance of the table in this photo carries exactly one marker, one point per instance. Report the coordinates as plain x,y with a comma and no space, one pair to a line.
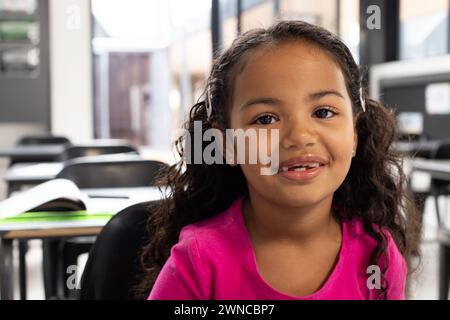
422,149
439,169
31,173
101,200
34,153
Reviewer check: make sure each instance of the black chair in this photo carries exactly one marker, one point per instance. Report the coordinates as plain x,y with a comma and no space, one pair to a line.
91,172
78,151
101,173
40,139
439,188
113,266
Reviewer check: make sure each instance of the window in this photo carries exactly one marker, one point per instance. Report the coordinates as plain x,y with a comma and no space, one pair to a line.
319,12
151,59
423,28
349,25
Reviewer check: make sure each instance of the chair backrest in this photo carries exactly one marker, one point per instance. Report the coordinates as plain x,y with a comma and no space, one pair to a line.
442,150
78,151
95,173
41,139
113,266
38,140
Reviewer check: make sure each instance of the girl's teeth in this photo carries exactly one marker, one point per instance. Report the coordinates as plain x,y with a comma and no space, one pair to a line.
300,168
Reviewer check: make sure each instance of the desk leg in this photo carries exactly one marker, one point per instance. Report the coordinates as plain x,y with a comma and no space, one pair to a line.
23,248
6,269
444,271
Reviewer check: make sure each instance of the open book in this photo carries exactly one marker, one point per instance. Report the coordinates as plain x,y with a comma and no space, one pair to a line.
53,195
57,200
53,203
60,200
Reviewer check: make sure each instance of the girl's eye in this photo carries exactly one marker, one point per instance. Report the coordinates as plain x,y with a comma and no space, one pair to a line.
266,119
324,113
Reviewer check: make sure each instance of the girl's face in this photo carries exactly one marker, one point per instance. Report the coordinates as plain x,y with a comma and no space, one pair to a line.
298,88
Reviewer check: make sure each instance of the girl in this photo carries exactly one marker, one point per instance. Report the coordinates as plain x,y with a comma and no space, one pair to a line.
334,221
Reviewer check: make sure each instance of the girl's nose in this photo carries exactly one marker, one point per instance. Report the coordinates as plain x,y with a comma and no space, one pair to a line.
298,132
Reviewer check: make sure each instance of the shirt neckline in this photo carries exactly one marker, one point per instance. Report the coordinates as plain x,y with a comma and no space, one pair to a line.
250,258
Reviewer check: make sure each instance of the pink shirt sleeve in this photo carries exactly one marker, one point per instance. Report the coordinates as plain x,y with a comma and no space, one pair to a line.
396,273
182,276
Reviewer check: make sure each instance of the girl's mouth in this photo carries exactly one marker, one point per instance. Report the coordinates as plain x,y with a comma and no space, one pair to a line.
302,172
299,168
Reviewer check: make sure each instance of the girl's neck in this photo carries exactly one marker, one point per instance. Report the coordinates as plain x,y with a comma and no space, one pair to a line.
270,221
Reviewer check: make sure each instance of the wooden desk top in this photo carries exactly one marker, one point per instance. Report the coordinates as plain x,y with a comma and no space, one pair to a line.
33,152
52,233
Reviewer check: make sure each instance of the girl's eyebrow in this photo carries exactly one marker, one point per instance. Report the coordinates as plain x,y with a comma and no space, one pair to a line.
320,94
274,101
267,100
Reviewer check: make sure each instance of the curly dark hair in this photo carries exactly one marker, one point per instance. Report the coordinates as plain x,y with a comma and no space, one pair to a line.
375,188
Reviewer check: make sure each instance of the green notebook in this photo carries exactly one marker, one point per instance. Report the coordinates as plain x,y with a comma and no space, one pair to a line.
57,216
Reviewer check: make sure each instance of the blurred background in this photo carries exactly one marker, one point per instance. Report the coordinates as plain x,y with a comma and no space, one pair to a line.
130,70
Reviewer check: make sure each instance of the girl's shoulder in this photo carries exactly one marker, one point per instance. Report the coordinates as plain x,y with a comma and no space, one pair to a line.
363,242
363,245
211,244
356,231
216,228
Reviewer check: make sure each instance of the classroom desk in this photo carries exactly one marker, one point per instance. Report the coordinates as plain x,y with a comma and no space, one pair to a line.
437,168
423,149
20,174
50,152
34,153
31,173
38,172
99,202
434,168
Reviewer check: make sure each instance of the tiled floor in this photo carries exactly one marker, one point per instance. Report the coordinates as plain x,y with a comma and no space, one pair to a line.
424,283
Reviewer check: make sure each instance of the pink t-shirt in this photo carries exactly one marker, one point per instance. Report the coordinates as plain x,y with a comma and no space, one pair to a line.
214,259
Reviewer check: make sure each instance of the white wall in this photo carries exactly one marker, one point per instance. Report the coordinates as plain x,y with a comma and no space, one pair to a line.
71,69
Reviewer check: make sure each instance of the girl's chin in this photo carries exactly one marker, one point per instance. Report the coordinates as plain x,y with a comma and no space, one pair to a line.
296,198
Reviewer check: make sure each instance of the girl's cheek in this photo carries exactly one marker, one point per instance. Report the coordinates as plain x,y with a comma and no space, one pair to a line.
259,150
340,152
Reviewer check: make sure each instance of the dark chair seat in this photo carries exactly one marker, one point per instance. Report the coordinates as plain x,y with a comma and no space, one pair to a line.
95,173
79,151
113,266
42,139
39,140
